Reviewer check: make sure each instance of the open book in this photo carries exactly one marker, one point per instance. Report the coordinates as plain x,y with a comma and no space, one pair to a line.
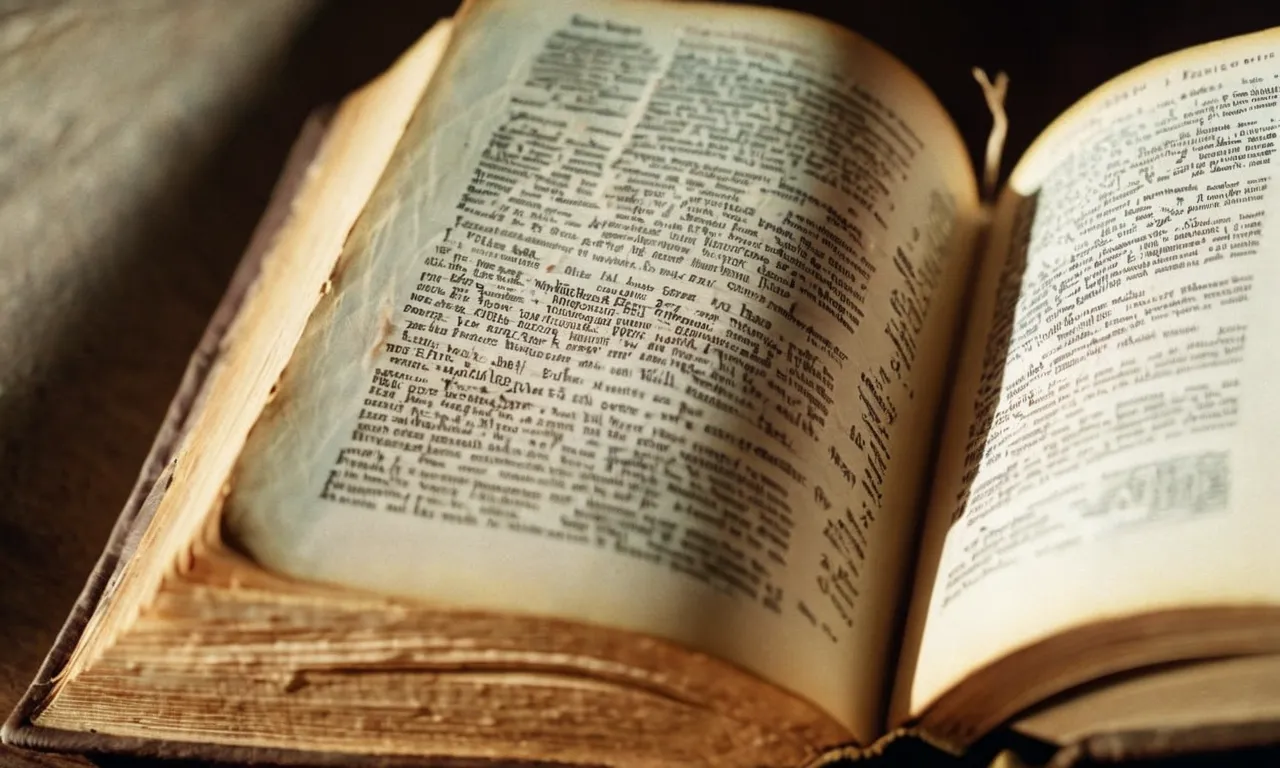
644,383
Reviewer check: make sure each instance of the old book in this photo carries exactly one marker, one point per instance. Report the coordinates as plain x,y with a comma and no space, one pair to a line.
646,383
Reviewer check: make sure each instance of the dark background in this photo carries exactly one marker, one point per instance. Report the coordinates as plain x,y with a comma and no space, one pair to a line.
132,259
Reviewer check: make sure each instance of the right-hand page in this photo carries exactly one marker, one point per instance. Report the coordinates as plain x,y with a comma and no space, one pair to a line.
1108,449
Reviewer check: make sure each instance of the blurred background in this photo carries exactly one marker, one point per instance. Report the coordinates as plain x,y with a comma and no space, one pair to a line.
139,141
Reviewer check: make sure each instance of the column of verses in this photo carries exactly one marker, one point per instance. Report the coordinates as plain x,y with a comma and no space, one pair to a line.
1117,355
671,319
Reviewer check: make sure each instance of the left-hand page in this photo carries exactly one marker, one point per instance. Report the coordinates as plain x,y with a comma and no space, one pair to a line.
644,327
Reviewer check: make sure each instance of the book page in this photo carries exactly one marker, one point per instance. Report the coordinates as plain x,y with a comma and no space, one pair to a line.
645,327
1108,451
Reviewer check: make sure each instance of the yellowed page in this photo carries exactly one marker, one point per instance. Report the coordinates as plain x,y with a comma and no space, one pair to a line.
645,328
1107,453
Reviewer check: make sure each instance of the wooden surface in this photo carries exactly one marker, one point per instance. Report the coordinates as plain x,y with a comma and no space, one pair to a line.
112,113
138,143
139,140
